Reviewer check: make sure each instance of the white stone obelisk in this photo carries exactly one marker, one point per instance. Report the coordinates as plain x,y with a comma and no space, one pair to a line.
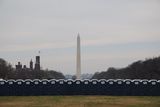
78,73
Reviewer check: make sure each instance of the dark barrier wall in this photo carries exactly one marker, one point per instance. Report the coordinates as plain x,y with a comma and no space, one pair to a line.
80,87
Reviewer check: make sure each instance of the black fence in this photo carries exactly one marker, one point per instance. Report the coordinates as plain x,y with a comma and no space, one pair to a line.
80,87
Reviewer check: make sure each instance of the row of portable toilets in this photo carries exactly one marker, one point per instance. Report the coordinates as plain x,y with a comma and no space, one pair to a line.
80,87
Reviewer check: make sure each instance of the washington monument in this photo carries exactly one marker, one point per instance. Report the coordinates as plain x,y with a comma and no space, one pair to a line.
78,73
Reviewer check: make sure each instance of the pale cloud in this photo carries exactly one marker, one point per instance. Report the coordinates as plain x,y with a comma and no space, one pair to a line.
108,40
32,47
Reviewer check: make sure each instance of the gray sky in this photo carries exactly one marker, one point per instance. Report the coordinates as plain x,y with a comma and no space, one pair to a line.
114,33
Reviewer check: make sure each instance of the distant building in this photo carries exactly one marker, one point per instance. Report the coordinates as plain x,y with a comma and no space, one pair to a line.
19,66
37,64
68,76
86,76
31,64
24,67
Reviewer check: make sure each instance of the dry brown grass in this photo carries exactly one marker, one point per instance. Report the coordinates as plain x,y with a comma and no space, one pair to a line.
79,101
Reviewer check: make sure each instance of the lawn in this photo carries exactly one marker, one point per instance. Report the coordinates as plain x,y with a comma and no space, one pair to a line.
79,101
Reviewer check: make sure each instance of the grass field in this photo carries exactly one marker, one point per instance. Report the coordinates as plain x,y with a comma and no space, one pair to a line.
79,101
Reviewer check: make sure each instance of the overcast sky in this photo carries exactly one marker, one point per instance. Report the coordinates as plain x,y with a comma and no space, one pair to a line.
114,33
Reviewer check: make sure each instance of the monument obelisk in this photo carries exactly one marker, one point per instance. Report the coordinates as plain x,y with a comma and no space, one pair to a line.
78,73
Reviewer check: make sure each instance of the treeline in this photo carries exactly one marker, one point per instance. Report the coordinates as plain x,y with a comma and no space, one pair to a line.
148,69
8,72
